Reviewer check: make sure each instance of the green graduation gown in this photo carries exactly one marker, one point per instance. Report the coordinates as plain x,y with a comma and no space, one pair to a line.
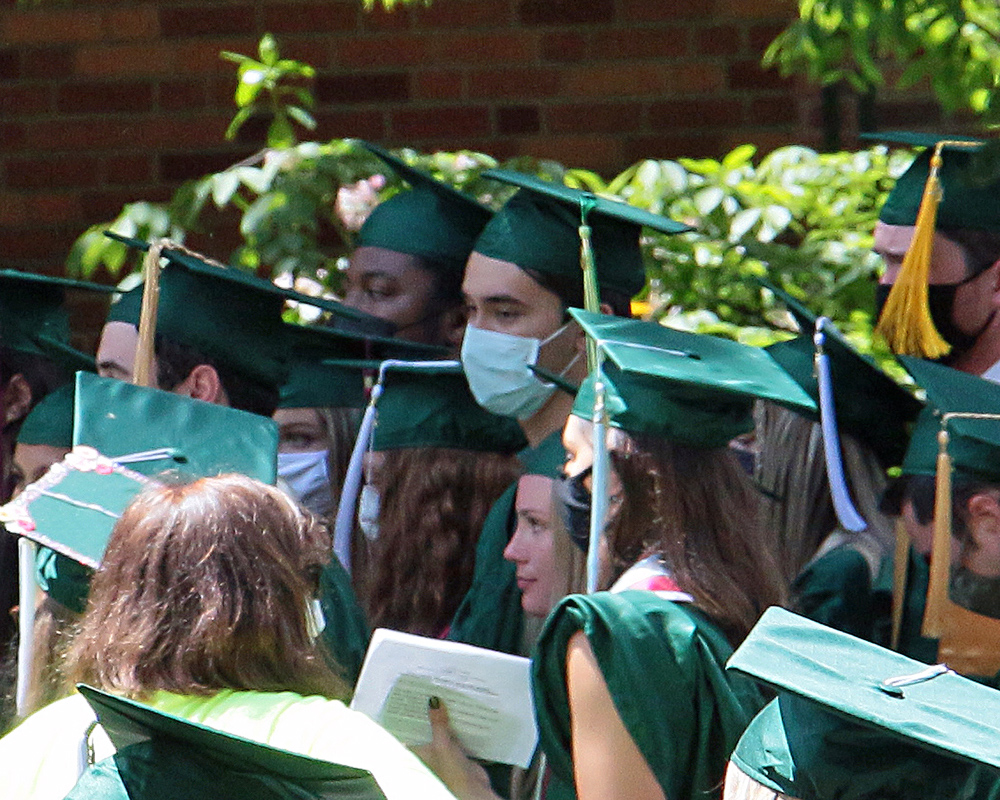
490,613
664,666
346,633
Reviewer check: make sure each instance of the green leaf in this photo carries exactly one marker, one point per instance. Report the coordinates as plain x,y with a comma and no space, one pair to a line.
224,185
301,116
268,49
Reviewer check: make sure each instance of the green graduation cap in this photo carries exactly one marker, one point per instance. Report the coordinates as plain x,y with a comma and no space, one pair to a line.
538,229
435,408
51,421
856,721
160,756
432,220
870,405
687,387
326,364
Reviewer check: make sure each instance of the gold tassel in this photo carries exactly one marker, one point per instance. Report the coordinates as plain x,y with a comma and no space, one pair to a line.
906,323
935,610
591,293
900,574
142,374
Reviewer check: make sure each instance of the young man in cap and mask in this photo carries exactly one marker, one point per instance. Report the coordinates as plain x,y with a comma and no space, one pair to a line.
524,357
953,255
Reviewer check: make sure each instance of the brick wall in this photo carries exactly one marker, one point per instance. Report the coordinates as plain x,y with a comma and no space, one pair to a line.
103,102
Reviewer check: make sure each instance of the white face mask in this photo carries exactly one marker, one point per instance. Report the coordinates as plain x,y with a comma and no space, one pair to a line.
308,479
369,508
497,366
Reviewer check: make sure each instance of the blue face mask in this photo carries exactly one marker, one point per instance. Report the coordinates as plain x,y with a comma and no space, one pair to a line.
307,479
498,368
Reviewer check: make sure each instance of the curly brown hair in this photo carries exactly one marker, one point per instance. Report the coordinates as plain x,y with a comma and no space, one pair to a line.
698,510
433,504
205,586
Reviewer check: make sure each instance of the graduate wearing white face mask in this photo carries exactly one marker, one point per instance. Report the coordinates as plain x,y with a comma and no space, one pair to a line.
520,347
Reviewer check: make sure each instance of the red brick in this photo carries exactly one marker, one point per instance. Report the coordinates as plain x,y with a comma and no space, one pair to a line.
184,166
759,9
131,60
773,111
14,209
437,85
177,95
203,56
749,74
378,19
49,26
105,204
310,17
451,121
317,53
718,40
84,134
563,46
480,48
54,207
520,83
599,153
656,10
594,117
197,20
187,131
391,50
695,113
14,138
646,42
127,170
37,244
566,12
92,97
26,99
760,36
642,78
49,171
10,64
463,14
518,120
681,145
355,124
361,87
137,22
47,62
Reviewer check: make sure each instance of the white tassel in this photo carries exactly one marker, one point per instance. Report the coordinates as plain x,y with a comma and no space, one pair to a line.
25,620
847,514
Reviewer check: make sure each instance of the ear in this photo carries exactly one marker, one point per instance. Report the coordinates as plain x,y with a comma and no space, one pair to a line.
452,326
203,383
16,398
984,528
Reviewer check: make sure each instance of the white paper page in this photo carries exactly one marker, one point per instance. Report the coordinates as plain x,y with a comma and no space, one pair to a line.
487,694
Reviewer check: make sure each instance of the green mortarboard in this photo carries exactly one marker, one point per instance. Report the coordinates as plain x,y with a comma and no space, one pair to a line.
854,721
870,405
33,319
51,421
431,220
966,202
320,378
687,387
436,409
538,229
974,444
160,755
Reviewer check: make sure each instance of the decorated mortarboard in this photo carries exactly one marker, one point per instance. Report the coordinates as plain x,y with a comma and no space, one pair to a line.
161,755
326,364
939,190
539,229
854,720
687,387
431,220
33,319
435,408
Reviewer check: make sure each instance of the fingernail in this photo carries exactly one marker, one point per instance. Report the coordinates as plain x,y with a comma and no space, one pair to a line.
434,702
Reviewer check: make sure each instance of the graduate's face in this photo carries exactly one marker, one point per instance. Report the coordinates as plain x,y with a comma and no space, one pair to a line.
391,286
301,430
31,461
502,297
116,351
532,547
578,441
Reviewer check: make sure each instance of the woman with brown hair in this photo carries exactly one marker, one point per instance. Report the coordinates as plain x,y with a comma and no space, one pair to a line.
204,607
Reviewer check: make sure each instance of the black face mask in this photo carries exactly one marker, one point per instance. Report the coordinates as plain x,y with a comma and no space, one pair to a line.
573,502
941,301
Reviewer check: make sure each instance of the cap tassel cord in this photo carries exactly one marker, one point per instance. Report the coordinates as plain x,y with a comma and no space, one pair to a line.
343,527
940,571
25,621
900,574
591,293
906,323
145,349
847,514
599,484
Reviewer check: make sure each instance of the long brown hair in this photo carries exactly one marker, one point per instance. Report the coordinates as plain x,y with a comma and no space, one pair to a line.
206,586
433,504
698,510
